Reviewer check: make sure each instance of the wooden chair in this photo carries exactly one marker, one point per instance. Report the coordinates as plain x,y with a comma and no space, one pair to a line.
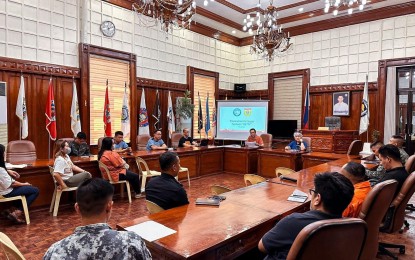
267,139
57,193
395,217
218,189
410,164
335,235
251,179
105,172
142,141
9,249
100,143
355,147
307,140
20,151
146,172
153,207
283,171
24,204
373,210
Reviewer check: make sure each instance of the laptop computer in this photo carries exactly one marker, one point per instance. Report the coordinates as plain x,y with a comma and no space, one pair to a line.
204,142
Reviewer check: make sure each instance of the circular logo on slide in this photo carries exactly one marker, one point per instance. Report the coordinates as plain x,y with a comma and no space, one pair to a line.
236,112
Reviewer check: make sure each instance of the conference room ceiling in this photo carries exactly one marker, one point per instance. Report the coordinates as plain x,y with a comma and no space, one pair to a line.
227,16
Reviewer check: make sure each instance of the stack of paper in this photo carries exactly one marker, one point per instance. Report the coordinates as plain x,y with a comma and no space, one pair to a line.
298,196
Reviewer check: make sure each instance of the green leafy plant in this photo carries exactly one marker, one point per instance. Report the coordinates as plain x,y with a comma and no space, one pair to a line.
184,106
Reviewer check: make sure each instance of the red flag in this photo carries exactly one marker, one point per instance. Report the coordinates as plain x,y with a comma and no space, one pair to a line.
51,113
107,114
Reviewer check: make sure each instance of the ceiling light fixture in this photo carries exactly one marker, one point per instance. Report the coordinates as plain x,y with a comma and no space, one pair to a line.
336,4
270,40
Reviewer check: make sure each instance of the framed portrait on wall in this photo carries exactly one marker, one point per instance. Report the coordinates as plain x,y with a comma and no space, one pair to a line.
341,103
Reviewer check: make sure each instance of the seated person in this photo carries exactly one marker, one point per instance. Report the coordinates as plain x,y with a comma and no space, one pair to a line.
375,176
390,159
119,145
165,190
254,138
398,141
64,169
117,167
10,188
331,194
355,172
95,239
79,147
186,140
156,143
297,144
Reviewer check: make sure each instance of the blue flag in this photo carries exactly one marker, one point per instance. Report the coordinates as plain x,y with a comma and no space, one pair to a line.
207,125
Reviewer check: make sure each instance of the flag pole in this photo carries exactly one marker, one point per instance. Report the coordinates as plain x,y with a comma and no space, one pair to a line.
20,128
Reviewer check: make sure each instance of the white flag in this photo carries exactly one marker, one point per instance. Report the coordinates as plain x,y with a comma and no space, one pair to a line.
170,117
364,115
125,114
21,109
143,117
75,117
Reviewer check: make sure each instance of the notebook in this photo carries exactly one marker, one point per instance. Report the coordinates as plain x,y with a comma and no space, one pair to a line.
298,196
250,144
208,201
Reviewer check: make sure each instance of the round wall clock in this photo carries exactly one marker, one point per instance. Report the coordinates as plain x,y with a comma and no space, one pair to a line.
108,28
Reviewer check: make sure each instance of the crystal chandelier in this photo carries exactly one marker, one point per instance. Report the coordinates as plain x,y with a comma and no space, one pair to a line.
348,3
171,14
270,39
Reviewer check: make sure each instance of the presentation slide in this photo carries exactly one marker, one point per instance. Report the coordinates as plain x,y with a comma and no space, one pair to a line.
236,117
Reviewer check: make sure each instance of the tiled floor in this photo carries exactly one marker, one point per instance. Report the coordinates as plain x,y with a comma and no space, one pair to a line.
34,239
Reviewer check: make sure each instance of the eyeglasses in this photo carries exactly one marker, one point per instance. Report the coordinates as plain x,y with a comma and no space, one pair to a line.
312,191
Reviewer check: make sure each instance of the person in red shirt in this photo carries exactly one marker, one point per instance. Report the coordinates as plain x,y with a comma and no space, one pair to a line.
355,172
255,138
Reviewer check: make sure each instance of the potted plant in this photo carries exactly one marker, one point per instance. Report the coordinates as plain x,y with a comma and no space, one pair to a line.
184,110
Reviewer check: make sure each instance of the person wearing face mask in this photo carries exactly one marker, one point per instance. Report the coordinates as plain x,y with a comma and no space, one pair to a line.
11,188
64,169
297,144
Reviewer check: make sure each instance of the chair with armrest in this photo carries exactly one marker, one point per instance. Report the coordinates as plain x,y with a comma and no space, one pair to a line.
335,235
57,193
267,139
283,171
24,205
395,216
175,138
410,167
145,171
153,207
251,179
142,141
307,141
373,209
218,189
355,147
20,151
105,172
10,251
100,143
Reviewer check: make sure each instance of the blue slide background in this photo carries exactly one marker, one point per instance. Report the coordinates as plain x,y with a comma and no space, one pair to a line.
231,121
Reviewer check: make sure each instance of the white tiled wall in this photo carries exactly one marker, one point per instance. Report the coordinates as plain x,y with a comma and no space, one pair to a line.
49,31
342,55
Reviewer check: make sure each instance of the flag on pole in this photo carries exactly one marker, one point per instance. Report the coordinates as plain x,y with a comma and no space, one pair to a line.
306,107
51,113
107,114
125,114
364,113
207,125
170,117
199,116
21,109
214,118
143,127
157,112
75,117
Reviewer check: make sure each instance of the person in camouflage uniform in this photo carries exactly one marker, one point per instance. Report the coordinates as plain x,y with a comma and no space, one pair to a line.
95,239
79,147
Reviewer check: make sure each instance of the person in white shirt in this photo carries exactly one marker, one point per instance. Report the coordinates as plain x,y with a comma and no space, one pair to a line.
340,108
63,169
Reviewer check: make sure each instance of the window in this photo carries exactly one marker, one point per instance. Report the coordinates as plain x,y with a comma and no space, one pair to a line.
117,72
203,85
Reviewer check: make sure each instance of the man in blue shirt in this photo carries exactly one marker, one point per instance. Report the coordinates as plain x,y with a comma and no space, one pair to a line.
156,143
119,145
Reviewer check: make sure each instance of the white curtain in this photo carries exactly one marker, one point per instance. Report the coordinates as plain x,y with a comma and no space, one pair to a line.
390,105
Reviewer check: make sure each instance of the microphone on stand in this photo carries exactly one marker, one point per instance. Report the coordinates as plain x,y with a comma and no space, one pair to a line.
282,177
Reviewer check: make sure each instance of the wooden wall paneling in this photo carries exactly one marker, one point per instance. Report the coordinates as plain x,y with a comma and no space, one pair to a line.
211,161
251,94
